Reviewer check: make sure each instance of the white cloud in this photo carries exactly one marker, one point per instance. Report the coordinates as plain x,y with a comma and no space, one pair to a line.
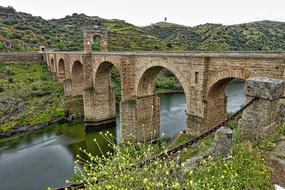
145,12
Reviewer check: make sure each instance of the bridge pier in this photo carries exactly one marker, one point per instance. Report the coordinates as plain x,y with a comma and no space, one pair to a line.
216,111
194,124
99,107
67,87
140,118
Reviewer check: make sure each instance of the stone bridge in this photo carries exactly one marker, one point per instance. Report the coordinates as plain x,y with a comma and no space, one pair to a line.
203,76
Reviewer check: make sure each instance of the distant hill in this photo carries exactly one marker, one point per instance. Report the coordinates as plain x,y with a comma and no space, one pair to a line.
27,32
262,35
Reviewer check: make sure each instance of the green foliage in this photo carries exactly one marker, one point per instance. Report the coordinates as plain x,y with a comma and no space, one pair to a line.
165,83
60,45
2,46
233,172
31,84
116,83
1,89
233,123
269,142
114,169
96,46
119,169
254,36
65,34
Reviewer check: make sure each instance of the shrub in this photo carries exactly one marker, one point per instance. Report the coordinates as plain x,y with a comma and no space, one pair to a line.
1,89
119,169
10,80
2,46
234,172
44,78
115,169
96,46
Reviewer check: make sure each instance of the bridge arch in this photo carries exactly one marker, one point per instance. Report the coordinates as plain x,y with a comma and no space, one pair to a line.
102,72
77,78
216,109
61,68
105,91
148,102
146,78
226,74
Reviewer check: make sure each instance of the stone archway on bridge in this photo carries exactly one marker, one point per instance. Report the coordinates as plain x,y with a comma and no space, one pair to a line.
102,100
95,32
216,99
61,69
148,103
77,78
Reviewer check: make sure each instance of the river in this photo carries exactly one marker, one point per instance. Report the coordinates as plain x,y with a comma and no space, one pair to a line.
45,158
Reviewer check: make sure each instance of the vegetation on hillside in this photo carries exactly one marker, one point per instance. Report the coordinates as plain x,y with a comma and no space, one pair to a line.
27,32
28,95
255,36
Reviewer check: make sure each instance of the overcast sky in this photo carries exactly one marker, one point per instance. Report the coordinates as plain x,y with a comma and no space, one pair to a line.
145,12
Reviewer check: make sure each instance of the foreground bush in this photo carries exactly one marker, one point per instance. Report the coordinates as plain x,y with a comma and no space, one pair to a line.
245,169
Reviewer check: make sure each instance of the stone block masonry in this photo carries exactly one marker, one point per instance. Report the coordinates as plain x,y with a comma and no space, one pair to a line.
263,115
202,75
15,57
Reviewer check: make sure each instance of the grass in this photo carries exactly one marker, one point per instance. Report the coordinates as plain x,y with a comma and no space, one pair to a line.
118,170
268,143
246,168
29,84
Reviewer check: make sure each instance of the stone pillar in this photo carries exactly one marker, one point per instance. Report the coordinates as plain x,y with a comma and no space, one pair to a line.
67,87
128,117
100,109
88,101
223,142
261,117
216,112
87,41
193,124
140,119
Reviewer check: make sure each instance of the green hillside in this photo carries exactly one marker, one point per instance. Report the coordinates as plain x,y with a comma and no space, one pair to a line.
255,36
27,32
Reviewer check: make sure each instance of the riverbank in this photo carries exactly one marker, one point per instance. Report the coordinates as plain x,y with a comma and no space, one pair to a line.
35,127
29,96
